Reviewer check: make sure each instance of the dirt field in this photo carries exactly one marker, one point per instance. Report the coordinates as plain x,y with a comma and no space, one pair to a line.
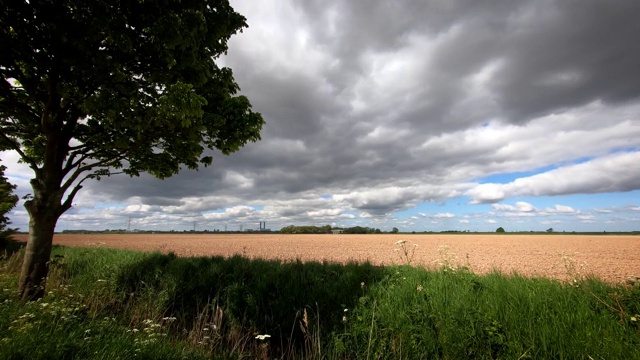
611,258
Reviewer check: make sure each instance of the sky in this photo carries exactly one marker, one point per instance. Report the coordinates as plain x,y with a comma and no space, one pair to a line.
421,115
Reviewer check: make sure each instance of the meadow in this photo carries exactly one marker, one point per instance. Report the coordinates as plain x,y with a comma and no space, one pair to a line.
108,303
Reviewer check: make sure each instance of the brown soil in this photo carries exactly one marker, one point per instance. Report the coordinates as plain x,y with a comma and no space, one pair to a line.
611,258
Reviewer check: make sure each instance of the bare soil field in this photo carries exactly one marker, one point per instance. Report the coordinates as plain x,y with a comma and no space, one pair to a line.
611,258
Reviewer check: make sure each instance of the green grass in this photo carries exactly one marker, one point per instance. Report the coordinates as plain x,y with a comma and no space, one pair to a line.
114,304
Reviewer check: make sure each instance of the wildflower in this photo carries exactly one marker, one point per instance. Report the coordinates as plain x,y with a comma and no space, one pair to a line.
420,288
262,337
101,280
345,310
344,319
169,318
634,319
205,329
362,285
401,242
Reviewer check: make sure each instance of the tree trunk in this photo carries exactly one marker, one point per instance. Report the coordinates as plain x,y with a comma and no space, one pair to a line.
35,266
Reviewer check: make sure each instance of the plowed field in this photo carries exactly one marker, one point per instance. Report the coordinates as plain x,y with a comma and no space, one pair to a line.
609,257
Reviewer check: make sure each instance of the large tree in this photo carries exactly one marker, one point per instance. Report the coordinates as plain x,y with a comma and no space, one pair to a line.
91,88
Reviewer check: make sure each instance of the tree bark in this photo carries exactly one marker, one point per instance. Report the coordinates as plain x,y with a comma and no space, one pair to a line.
35,266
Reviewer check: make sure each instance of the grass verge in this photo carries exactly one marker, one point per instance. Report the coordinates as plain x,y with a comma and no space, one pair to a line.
114,304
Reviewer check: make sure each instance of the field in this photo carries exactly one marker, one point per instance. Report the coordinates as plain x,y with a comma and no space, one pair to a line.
611,258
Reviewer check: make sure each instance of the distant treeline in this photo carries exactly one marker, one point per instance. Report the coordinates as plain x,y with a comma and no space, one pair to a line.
327,229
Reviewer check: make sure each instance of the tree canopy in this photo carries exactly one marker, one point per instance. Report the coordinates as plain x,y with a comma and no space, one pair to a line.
99,87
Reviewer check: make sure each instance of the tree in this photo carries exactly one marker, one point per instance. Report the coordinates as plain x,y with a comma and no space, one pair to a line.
7,201
95,88
500,230
395,230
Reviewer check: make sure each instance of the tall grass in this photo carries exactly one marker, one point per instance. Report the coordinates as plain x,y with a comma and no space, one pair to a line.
416,314
109,304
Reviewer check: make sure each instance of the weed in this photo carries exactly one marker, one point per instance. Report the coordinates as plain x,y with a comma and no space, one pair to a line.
406,251
448,261
575,273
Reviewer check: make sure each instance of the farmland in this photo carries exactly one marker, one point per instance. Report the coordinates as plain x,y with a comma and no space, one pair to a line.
612,258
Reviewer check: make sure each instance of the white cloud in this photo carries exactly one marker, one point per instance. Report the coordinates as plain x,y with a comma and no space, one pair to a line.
612,173
520,206
231,213
444,216
561,209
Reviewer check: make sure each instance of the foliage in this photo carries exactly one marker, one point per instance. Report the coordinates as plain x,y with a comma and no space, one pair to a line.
137,74
500,230
138,91
395,230
361,230
327,229
111,304
309,229
7,201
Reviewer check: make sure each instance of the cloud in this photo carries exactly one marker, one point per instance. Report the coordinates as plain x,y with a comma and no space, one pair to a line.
375,107
520,206
231,213
444,216
612,173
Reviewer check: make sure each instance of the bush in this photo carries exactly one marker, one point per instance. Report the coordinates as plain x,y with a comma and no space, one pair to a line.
7,202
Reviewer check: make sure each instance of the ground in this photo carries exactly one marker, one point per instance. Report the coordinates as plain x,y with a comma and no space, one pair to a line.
613,258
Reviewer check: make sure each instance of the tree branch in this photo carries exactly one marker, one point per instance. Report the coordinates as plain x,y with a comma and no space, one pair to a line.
81,169
68,201
15,146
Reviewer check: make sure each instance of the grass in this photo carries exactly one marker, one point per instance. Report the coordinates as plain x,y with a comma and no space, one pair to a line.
114,304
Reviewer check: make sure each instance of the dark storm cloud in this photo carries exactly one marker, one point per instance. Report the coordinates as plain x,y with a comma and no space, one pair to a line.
567,53
554,54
